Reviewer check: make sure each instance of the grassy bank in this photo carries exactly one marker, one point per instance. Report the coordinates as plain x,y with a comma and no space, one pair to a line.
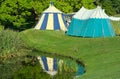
100,55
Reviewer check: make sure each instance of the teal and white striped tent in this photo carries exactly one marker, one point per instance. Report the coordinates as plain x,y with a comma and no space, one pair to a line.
52,19
91,23
49,65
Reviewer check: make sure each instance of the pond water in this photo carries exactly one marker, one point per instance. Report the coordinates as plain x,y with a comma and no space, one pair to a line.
56,66
41,67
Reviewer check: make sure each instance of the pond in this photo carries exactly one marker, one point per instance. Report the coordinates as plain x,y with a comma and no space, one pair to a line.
55,66
42,67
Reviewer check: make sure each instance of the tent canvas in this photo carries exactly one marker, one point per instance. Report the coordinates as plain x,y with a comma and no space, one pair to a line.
114,18
52,19
91,23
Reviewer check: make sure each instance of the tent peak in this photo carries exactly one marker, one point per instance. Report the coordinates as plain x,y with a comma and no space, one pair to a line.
51,3
98,7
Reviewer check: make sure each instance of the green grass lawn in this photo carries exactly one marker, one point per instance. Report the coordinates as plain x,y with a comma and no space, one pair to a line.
101,56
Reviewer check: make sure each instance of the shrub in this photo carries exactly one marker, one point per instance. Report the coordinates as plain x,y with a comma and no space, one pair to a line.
116,26
1,27
10,42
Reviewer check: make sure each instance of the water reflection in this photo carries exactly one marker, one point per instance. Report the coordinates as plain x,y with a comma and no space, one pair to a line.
49,65
54,66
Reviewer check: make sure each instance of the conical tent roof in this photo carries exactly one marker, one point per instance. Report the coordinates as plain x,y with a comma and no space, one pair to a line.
95,24
52,19
52,9
99,13
83,13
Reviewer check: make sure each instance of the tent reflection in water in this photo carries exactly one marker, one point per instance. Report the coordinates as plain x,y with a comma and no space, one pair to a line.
49,65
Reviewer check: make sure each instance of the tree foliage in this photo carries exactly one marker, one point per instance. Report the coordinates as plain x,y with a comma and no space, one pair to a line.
22,14
116,5
16,14
107,4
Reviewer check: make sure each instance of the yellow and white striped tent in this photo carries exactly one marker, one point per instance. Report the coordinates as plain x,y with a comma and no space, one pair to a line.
52,19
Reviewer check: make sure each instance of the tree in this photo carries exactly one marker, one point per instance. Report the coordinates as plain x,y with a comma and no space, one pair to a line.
116,5
98,2
63,6
19,14
88,4
107,5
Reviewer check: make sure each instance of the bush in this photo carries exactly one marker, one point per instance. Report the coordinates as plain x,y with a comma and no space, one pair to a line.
10,42
116,26
1,27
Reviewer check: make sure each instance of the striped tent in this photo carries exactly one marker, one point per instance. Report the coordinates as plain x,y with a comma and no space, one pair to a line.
49,65
52,19
91,23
